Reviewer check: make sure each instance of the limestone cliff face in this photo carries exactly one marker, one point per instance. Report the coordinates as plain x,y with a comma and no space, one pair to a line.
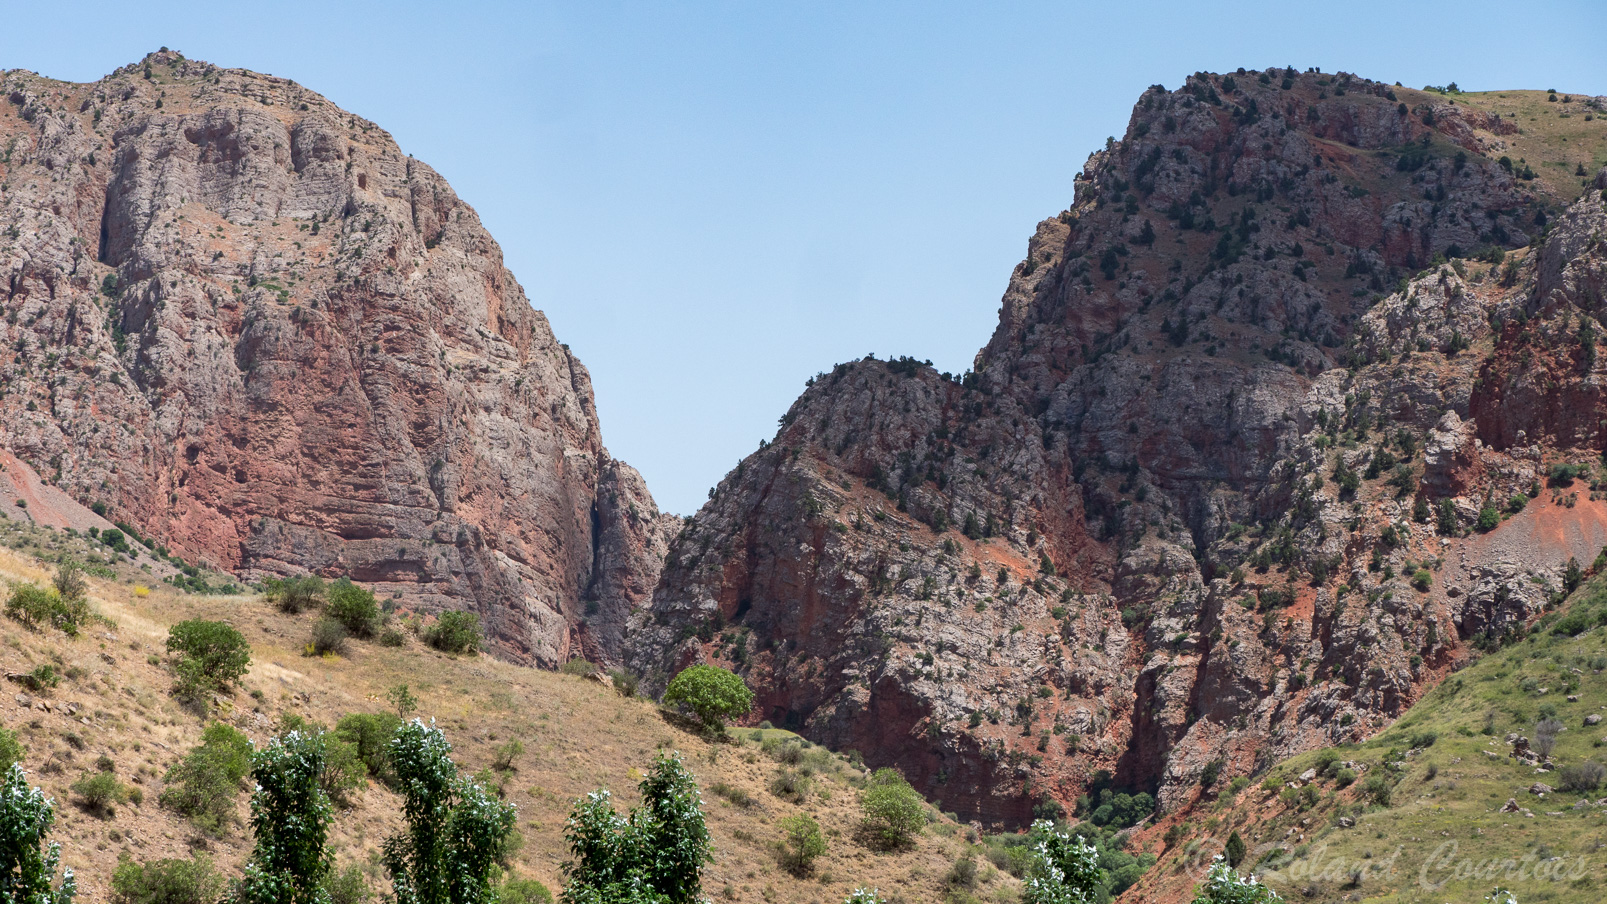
245,321
1233,405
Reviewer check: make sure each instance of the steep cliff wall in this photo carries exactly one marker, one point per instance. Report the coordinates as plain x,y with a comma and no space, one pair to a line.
1235,402
242,319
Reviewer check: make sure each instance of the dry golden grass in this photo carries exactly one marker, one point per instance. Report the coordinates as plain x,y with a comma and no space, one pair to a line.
578,735
1554,138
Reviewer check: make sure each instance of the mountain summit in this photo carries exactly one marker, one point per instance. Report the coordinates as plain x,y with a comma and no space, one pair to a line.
240,319
1218,487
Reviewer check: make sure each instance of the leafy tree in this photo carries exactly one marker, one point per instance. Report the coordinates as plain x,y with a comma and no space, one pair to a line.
166,881
403,700
802,842
1234,849
27,865
456,831
291,815
893,812
355,608
1572,575
1489,518
507,754
653,856
1447,517
69,582
1121,809
712,694
1224,886
1063,869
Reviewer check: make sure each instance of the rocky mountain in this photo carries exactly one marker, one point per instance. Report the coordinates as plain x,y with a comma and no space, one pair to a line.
242,320
1227,482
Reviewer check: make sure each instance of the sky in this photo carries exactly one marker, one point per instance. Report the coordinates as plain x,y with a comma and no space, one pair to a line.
711,202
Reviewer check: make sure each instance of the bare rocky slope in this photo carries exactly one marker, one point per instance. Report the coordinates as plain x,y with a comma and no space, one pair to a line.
241,319
1212,495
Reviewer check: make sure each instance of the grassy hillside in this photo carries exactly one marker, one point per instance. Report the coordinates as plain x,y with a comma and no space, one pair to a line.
578,734
1415,815
1559,134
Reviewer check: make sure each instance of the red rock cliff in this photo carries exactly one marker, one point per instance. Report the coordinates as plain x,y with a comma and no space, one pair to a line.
245,321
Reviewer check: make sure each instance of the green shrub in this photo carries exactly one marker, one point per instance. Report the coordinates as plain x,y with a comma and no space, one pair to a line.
802,843
1586,776
1234,849
579,667
35,607
348,887
624,681
100,793
712,694
1422,579
294,595
506,754
893,812
735,795
328,636
1379,789
204,786
1344,778
1489,518
166,881
355,608
10,749
523,891
1563,474
69,582
344,769
371,734
390,637
962,874
454,632
211,656
42,678
791,785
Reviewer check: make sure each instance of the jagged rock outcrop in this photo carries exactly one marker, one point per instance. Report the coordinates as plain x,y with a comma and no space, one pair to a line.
243,320
1212,494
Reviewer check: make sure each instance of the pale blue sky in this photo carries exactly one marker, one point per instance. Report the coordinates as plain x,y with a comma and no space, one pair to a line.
713,201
